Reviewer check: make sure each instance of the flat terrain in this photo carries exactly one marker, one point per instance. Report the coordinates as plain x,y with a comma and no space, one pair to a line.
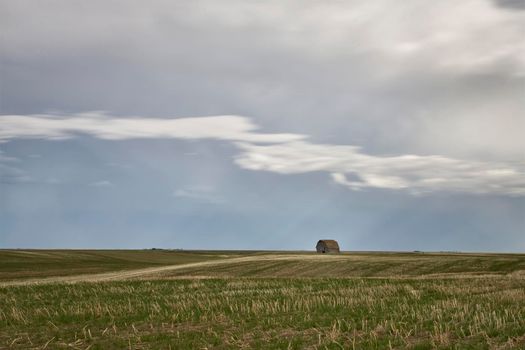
23,264
161,299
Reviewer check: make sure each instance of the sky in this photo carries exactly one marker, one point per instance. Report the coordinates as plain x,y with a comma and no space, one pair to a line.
243,124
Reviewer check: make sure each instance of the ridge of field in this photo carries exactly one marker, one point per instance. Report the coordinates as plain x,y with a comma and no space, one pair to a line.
36,263
49,266
353,265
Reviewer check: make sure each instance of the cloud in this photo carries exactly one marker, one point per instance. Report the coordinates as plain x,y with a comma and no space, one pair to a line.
101,183
285,153
103,126
446,70
511,4
9,173
351,167
316,29
200,194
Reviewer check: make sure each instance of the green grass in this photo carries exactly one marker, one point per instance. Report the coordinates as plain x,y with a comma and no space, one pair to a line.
266,300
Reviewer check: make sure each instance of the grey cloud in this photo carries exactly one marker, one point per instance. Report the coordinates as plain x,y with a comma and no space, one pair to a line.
511,4
349,70
317,30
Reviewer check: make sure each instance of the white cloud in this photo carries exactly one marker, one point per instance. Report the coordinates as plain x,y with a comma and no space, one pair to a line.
102,126
351,167
4,158
10,173
283,153
200,194
101,183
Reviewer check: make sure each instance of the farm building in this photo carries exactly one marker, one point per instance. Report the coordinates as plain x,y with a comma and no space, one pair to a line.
327,246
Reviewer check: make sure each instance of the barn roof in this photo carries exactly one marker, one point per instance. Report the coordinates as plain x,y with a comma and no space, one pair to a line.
329,243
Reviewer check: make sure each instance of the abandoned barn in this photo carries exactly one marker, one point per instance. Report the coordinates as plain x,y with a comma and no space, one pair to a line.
327,246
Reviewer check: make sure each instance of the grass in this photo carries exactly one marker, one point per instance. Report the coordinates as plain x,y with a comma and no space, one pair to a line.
413,301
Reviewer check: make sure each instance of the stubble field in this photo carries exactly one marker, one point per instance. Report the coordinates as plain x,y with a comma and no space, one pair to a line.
269,300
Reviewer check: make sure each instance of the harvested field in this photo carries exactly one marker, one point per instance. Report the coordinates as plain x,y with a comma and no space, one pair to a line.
372,300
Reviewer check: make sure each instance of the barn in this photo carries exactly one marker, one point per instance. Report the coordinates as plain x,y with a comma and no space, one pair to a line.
327,246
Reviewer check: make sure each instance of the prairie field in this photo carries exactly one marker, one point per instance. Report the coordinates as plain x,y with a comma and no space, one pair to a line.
269,300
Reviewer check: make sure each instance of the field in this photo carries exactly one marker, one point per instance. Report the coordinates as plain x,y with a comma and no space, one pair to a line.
22,264
271,300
